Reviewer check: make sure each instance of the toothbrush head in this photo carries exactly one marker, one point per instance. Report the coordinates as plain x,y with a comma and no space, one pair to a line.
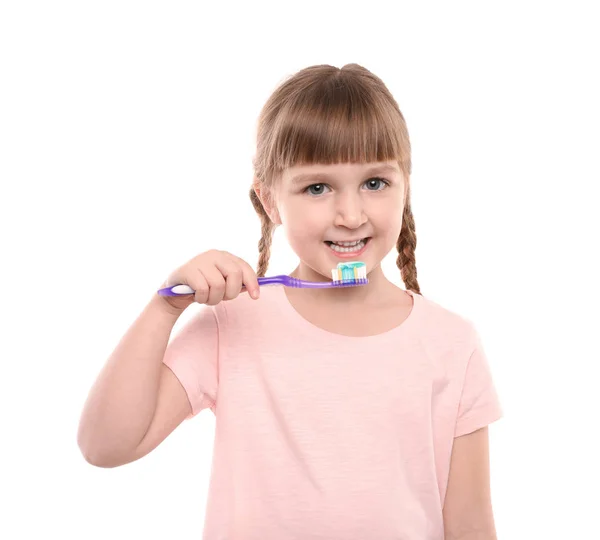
350,274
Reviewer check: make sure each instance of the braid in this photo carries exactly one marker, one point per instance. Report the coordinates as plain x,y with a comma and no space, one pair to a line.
266,229
406,245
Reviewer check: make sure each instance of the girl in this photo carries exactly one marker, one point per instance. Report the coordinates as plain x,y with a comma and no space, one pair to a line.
356,413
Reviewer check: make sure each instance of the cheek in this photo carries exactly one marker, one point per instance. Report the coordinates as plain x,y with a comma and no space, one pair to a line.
388,221
395,222
300,222
387,214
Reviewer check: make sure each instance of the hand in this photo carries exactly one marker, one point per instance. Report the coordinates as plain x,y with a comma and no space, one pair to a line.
215,276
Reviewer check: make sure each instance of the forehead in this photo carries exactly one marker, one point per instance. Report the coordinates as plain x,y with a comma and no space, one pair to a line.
320,172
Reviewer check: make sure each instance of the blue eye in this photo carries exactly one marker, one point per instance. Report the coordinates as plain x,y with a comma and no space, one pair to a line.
316,189
373,184
376,184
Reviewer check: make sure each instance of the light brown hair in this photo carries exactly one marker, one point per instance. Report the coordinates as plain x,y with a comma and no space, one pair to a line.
324,114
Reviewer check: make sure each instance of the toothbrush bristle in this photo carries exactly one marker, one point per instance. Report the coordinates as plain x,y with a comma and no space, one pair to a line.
349,274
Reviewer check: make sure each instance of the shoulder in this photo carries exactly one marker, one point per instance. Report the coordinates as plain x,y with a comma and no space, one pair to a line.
444,326
442,317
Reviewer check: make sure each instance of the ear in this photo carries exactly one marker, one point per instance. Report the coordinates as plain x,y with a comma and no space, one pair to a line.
266,198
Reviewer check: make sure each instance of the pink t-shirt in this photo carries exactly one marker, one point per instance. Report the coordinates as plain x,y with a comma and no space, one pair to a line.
325,436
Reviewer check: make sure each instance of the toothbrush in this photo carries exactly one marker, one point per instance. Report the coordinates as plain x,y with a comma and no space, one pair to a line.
348,274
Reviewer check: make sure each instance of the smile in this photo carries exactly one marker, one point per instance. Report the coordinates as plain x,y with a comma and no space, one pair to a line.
353,247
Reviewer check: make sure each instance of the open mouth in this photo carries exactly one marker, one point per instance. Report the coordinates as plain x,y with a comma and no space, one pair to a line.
348,247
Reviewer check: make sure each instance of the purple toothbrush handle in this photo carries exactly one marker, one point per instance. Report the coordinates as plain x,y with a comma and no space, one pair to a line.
287,281
302,284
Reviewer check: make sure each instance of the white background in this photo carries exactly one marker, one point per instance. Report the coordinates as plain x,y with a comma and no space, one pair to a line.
126,139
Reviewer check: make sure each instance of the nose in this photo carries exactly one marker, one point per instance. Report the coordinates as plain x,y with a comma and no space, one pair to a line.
349,211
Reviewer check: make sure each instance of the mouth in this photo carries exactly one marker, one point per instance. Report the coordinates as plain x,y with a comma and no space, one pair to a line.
351,248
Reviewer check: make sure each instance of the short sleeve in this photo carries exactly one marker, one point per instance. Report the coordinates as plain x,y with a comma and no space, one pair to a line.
192,355
479,402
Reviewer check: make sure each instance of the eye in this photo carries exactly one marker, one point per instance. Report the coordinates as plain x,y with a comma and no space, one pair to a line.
376,184
316,189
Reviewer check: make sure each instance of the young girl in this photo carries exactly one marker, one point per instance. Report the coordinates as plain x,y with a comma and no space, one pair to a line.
357,413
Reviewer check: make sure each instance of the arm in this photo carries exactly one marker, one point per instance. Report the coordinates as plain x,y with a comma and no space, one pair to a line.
136,401
467,509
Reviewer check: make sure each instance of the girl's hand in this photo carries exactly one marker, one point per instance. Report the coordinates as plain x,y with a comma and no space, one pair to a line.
215,276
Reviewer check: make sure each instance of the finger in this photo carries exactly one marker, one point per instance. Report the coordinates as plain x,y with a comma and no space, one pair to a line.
216,285
232,272
249,278
200,285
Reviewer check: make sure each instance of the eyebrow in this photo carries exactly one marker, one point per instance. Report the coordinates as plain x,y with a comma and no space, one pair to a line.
379,169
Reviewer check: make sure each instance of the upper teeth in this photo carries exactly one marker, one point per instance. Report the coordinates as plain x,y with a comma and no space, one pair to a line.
356,242
347,247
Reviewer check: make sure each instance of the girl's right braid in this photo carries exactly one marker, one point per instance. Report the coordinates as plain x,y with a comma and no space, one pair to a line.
266,229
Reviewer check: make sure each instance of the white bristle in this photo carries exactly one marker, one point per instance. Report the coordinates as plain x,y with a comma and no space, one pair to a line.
360,273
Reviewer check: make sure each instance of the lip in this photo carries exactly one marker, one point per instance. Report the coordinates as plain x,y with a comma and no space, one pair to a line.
349,254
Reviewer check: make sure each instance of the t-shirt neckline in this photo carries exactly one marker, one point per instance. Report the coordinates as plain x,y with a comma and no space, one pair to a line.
297,319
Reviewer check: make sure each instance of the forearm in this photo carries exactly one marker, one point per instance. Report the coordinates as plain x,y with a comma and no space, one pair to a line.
481,534
122,401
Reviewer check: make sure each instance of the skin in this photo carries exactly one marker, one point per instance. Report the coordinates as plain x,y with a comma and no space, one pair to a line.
349,204
123,420
468,513
345,206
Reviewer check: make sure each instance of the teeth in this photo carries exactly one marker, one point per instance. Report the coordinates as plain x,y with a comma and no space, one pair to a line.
347,244
343,248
